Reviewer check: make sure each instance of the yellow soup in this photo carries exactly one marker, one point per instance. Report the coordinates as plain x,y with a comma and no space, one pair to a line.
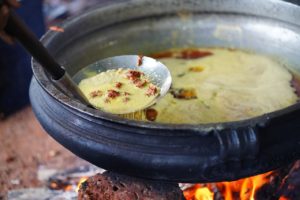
119,91
209,85
220,85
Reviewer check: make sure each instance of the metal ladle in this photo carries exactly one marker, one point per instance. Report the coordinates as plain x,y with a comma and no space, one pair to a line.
154,70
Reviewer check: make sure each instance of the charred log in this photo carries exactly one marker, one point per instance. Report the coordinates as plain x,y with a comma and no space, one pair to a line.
114,186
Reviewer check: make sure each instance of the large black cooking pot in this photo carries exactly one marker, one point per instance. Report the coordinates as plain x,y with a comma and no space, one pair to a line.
182,153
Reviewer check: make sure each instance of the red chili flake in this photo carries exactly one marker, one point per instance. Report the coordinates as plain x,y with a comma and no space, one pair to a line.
97,93
193,54
139,83
113,94
56,28
126,99
166,54
151,114
127,93
132,74
140,60
152,90
118,85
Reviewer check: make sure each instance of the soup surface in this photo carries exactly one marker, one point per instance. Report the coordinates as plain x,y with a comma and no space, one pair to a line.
119,91
219,85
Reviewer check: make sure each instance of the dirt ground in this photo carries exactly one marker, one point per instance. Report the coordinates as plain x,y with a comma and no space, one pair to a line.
24,146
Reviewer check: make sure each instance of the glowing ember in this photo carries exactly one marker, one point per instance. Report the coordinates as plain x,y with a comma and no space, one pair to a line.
68,188
283,198
244,189
56,28
69,184
70,180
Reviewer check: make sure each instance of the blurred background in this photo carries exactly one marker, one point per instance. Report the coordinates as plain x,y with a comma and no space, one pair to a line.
56,10
27,153
15,70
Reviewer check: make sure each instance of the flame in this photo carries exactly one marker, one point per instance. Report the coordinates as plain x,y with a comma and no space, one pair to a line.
81,180
283,198
204,194
69,184
243,189
53,185
68,188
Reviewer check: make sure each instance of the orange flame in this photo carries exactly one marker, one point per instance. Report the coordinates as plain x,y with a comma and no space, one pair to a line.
81,180
245,188
283,198
204,194
68,188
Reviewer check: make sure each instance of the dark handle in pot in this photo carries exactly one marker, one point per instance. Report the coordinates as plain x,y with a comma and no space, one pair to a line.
238,143
17,28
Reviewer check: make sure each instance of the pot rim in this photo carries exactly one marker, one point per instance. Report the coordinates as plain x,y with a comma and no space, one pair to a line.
44,81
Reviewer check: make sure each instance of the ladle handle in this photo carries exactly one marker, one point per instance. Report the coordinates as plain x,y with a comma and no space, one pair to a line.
17,28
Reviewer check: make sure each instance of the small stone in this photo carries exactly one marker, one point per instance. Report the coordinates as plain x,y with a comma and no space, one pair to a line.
10,159
15,182
53,153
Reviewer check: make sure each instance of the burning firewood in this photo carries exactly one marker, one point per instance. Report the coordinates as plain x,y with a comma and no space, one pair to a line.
290,188
119,187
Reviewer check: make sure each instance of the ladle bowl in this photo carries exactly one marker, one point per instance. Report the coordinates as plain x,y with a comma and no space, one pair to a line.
157,73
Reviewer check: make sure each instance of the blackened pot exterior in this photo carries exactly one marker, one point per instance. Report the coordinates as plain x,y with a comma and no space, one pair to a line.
181,153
